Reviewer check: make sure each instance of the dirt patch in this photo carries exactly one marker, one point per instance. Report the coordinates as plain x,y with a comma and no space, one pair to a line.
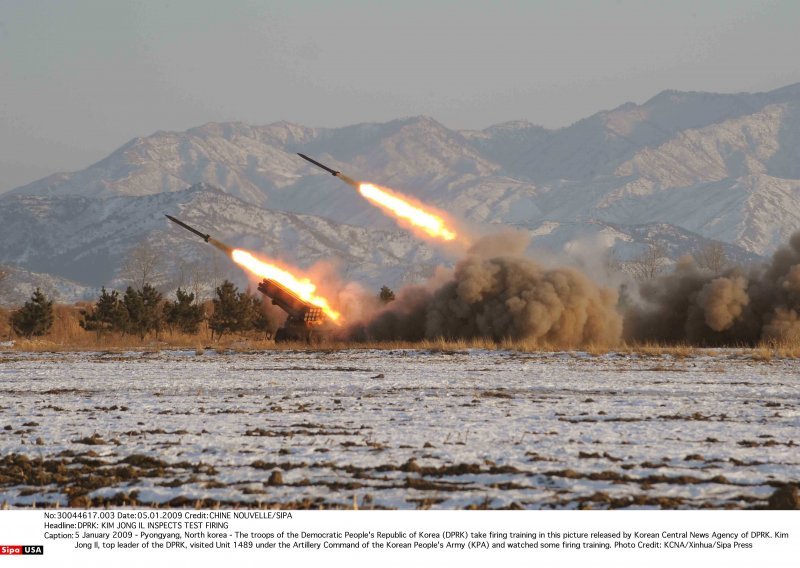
93,440
496,394
785,498
77,477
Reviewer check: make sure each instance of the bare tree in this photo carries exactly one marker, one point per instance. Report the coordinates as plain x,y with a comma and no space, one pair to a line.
201,277
712,257
4,274
143,265
199,280
612,263
180,277
219,270
650,263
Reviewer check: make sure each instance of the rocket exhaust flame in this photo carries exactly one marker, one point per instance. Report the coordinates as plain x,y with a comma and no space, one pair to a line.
431,224
416,215
302,287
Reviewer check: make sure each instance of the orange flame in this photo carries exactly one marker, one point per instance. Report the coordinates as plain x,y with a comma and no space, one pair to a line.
402,208
303,287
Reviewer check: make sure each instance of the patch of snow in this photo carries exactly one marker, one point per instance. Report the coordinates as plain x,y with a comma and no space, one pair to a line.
413,427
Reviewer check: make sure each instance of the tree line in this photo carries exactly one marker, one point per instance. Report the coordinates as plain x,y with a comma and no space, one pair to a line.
655,259
142,311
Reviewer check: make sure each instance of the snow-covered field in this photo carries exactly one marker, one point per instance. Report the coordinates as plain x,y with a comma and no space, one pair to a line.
398,429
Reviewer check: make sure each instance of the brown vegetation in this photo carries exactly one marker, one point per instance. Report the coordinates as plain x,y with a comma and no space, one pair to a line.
67,335
5,324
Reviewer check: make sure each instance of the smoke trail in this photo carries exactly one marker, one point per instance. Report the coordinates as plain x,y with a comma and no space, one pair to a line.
496,293
735,307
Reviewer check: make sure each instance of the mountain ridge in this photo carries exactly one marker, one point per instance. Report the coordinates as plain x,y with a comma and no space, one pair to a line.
724,167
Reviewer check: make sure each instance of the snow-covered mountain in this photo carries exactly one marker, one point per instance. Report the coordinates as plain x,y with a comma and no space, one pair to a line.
87,239
18,286
592,243
715,166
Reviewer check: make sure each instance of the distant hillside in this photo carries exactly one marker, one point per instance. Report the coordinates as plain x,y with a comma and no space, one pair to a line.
88,239
18,286
713,166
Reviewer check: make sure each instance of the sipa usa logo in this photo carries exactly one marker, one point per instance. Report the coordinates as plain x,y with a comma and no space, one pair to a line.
21,549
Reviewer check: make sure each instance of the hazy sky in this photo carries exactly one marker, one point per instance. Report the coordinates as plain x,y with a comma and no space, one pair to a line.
79,78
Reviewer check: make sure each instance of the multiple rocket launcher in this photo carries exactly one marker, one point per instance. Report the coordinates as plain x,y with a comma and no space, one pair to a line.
307,320
304,320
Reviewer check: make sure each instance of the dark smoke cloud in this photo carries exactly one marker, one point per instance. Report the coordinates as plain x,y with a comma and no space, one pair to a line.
733,308
494,292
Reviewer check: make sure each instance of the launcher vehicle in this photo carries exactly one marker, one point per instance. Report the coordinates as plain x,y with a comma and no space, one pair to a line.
305,322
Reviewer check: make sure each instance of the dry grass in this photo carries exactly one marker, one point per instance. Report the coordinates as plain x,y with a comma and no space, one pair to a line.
5,324
762,353
785,348
678,351
67,335
773,348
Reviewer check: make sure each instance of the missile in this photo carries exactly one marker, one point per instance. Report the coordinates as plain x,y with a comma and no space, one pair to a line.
207,238
348,180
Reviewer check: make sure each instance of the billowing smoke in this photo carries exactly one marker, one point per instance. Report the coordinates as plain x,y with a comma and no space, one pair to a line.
733,308
723,300
495,292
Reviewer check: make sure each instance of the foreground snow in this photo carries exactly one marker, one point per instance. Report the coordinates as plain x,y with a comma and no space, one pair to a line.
396,429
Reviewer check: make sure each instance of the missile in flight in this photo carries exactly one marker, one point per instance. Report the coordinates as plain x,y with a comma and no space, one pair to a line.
348,180
207,238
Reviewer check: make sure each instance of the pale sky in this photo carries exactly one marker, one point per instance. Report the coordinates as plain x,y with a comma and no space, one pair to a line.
80,78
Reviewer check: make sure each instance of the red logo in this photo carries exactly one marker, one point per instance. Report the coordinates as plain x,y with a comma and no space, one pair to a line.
21,549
